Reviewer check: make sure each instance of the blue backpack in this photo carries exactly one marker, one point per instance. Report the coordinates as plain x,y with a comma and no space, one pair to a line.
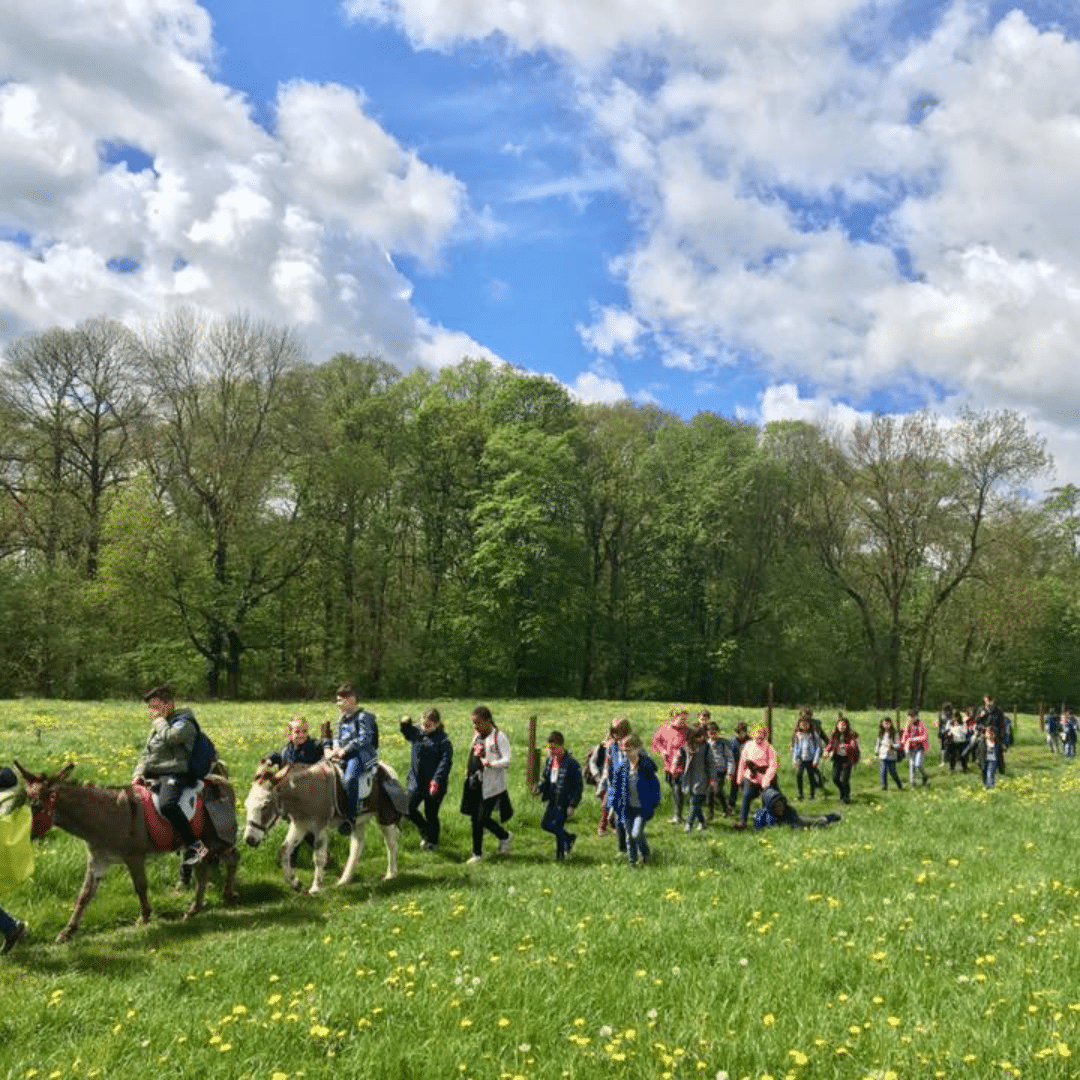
203,753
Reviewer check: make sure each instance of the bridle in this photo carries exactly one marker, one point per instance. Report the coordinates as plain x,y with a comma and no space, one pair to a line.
42,811
260,828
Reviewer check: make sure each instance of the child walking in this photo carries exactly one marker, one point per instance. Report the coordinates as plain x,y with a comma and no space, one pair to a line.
916,742
886,752
806,750
635,791
987,755
560,787
722,770
696,765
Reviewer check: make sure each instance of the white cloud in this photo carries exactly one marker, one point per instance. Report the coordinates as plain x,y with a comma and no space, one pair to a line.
296,226
592,388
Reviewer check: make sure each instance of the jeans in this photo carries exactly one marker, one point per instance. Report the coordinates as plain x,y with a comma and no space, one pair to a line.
697,806
675,783
750,791
990,775
916,757
634,823
888,768
428,821
806,768
841,775
7,923
554,822
170,788
482,820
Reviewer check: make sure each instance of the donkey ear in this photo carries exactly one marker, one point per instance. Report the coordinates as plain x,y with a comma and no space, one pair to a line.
66,771
280,775
29,777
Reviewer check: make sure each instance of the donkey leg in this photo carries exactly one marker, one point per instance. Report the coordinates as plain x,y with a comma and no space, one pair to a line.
231,858
202,876
319,859
390,839
292,841
137,869
356,850
95,871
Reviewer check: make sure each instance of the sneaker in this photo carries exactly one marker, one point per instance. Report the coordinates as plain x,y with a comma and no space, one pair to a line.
701,826
571,840
504,845
196,853
601,831
687,827
16,935
345,828
473,859
426,845
674,820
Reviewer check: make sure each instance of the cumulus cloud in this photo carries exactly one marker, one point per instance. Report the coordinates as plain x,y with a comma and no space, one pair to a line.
592,388
131,180
825,189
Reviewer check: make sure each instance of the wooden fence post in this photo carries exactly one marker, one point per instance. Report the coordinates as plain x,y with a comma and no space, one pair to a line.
532,769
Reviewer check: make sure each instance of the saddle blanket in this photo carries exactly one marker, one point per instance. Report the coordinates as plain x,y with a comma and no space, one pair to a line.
159,829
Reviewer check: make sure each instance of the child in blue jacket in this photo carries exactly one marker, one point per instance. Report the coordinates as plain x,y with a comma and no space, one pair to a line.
561,788
635,795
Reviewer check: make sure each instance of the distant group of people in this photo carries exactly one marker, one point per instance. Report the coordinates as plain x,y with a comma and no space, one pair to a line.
1061,732
978,735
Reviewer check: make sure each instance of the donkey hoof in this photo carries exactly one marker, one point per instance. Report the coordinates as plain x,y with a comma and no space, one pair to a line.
315,890
63,937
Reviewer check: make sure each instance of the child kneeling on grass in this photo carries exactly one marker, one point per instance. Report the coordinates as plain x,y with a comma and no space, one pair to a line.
560,787
774,810
635,795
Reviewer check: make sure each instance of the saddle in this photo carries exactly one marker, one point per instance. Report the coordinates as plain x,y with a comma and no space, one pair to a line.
159,829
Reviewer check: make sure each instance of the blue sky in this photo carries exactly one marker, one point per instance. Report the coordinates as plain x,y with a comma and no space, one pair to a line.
797,208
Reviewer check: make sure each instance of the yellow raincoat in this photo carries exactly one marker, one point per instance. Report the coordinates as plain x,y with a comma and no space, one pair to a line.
16,854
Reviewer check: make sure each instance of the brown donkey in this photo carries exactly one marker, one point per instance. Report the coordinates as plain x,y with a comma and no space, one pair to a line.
110,820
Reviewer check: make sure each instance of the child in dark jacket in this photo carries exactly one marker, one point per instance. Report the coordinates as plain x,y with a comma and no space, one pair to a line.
301,749
774,810
560,787
429,772
695,772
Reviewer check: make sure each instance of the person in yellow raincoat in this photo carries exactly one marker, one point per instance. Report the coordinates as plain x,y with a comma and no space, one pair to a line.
16,855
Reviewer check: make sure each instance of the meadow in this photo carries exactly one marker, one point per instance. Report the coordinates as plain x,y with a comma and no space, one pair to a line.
931,933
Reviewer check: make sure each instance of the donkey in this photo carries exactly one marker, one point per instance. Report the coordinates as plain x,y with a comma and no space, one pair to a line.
119,824
312,798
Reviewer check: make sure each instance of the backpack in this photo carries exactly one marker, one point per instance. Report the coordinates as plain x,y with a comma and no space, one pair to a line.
594,764
203,753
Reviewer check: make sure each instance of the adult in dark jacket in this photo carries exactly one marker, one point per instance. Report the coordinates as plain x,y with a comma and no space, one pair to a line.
561,788
429,772
167,759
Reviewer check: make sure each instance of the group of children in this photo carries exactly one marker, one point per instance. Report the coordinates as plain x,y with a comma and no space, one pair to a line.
704,771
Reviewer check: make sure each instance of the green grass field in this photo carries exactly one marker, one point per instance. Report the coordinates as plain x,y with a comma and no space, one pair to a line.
932,933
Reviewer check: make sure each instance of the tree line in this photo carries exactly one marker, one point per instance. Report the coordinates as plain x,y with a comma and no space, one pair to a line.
202,503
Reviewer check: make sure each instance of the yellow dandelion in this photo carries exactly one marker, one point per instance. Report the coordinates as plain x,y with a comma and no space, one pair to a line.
768,1020
504,1021
798,1057
893,1021
466,1021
